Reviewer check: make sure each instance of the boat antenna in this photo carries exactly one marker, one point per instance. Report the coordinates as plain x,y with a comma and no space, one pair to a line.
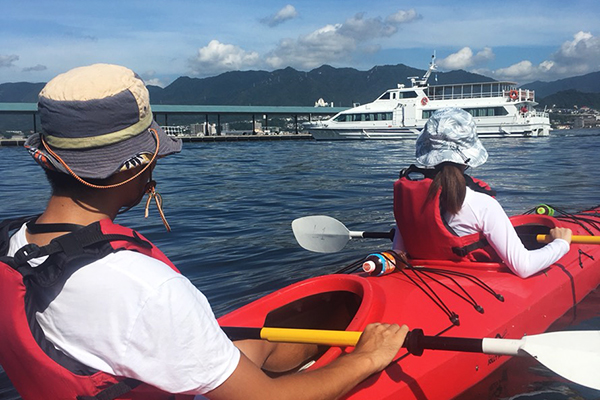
423,81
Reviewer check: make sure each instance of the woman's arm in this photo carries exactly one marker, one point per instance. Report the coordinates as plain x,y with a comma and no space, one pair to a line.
501,235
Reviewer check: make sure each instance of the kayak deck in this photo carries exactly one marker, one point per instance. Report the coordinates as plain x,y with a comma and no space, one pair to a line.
442,298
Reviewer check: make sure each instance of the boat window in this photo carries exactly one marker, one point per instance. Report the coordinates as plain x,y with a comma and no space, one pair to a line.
408,95
448,92
476,112
385,96
342,118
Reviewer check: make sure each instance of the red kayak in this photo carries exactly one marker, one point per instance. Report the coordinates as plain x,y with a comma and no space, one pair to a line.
447,299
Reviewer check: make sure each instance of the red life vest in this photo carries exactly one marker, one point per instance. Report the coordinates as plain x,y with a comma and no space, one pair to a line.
34,366
424,231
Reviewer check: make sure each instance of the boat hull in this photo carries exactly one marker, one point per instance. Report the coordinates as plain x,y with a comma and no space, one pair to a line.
524,307
484,130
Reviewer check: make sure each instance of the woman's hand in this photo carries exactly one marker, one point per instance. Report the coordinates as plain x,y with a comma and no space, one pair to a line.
561,233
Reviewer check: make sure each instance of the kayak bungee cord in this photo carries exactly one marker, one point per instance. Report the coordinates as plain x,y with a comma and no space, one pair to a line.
579,217
431,293
476,280
439,302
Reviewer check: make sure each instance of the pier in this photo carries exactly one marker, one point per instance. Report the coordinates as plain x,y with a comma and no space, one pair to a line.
162,112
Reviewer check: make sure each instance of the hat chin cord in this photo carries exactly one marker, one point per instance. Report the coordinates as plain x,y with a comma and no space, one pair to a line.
151,189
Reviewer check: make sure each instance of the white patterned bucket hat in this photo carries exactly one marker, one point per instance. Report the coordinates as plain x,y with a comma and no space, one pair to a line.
450,135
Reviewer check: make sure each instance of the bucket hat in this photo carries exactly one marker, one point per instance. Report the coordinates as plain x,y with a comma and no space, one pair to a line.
96,121
450,135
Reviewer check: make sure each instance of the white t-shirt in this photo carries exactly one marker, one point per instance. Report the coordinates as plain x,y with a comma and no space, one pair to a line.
483,213
132,315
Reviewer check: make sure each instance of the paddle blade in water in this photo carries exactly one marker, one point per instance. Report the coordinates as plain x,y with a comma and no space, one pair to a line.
320,233
574,355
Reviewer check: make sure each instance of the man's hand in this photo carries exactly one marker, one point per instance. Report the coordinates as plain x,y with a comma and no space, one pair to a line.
380,343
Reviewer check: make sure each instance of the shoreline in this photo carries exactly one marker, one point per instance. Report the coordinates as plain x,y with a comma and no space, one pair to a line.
190,138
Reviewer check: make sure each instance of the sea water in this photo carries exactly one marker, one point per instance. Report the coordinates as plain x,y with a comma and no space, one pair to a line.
231,204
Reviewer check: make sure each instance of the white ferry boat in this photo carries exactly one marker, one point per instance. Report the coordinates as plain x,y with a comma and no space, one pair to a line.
500,109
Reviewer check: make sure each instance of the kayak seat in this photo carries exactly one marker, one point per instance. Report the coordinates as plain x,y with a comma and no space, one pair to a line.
327,310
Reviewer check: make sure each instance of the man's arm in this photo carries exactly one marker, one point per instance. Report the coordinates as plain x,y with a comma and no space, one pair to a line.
376,348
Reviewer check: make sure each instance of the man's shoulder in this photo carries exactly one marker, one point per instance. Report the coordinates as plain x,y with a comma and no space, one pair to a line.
134,266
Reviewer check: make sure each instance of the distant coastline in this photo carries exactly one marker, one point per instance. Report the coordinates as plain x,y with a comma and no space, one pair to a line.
20,141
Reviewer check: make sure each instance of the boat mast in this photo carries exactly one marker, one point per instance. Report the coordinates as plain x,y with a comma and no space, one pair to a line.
423,81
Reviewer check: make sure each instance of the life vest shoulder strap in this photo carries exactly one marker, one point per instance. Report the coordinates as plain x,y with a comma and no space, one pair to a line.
413,173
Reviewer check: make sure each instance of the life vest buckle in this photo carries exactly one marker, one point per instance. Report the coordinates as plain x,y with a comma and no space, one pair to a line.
26,253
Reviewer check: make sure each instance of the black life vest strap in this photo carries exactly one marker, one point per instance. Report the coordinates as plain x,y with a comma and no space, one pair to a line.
114,391
34,227
71,244
9,225
430,173
465,250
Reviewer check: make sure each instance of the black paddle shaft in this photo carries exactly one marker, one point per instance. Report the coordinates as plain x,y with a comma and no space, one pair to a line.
379,235
416,342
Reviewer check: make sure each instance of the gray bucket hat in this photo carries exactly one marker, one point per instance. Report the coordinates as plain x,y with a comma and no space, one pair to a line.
450,135
96,121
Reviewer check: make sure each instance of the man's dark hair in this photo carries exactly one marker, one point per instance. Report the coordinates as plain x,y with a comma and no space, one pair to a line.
67,185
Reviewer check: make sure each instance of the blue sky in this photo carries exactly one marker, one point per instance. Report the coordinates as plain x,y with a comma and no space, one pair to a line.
520,41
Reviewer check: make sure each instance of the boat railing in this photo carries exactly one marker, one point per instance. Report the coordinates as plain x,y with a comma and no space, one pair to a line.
520,94
461,96
536,113
479,91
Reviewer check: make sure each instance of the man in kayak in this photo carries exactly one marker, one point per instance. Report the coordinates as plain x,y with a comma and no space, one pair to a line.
91,308
441,213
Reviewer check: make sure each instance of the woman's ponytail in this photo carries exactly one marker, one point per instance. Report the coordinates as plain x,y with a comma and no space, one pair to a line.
450,178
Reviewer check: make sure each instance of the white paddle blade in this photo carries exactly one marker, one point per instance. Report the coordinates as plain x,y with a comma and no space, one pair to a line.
574,355
320,233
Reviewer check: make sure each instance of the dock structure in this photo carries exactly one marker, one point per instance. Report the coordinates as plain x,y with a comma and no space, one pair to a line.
163,111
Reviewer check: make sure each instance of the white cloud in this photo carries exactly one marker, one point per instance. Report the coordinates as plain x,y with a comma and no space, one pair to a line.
362,29
219,57
36,68
402,17
522,68
576,57
150,78
337,42
464,58
322,46
459,60
7,61
286,13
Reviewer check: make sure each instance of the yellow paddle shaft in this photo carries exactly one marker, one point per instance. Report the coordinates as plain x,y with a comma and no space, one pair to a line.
574,239
312,336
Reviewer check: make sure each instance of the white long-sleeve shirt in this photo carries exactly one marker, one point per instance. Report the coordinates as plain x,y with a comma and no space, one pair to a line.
483,213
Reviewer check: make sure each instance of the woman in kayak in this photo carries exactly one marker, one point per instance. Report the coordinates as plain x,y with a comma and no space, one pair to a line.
442,213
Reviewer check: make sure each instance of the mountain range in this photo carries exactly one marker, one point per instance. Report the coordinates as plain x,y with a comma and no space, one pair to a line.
341,86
